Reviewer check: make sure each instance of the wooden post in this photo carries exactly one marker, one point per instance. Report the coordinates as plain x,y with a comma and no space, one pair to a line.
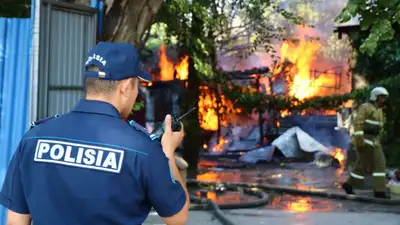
217,95
260,112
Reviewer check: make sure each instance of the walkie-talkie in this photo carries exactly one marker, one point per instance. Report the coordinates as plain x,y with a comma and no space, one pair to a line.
175,126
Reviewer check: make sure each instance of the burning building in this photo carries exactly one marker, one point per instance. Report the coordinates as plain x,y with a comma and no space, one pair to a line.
300,72
163,95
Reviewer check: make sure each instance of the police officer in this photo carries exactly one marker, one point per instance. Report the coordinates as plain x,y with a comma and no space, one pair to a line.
89,166
368,126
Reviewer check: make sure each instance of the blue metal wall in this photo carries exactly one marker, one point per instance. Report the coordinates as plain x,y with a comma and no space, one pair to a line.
15,48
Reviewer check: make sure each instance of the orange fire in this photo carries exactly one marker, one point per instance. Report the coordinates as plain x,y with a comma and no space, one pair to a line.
297,60
339,155
302,56
213,113
219,147
301,84
210,110
208,116
167,68
302,205
285,113
182,68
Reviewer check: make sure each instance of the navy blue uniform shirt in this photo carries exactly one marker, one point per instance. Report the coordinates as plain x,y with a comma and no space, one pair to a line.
89,167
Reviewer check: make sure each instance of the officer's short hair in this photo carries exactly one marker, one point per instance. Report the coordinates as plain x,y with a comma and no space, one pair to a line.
94,85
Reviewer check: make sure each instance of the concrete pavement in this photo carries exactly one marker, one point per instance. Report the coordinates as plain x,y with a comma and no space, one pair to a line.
195,218
278,217
310,210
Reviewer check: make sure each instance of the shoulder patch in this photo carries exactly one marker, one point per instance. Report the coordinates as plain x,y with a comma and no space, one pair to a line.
138,127
34,124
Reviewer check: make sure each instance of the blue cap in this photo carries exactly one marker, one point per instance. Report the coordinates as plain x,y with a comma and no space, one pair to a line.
117,61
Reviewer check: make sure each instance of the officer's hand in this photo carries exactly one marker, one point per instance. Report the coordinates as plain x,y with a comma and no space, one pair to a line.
171,140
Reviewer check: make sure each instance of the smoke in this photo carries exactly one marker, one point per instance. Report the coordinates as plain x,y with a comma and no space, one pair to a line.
236,62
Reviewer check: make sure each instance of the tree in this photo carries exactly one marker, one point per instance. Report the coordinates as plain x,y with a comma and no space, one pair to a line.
387,56
379,18
127,20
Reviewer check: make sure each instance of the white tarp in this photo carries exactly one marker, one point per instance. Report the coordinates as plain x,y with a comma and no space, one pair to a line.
260,154
295,139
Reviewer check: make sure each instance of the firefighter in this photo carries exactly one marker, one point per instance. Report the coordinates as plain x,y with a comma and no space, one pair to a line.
368,129
349,126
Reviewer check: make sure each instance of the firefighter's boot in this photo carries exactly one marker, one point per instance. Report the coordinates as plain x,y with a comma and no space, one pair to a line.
348,188
381,195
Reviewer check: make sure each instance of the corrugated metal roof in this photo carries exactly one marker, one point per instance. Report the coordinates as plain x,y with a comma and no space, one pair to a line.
15,42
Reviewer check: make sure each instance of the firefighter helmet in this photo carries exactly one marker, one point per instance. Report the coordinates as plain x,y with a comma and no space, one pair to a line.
378,91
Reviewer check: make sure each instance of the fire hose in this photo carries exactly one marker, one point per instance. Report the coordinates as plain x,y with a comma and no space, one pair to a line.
207,204
295,191
259,190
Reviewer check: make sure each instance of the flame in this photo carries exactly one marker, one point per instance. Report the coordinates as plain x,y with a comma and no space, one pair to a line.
211,114
339,155
210,111
212,177
302,56
285,113
219,147
330,112
212,196
208,116
167,68
301,205
182,68
296,68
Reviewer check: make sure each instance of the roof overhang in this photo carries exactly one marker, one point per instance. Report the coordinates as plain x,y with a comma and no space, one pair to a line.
350,26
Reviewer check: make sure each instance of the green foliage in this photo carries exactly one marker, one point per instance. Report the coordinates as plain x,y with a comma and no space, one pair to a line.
15,9
379,18
159,35
138,106
387,56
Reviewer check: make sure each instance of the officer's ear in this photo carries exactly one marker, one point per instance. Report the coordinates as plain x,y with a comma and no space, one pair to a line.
127,85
